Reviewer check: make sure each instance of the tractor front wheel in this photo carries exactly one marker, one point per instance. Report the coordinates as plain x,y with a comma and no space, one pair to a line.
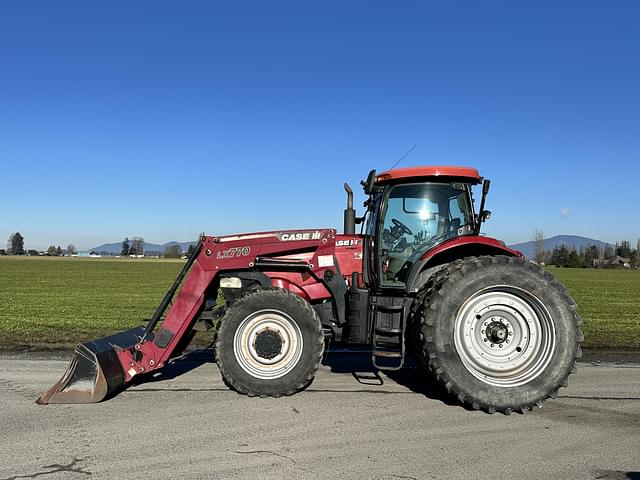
269,344
499,333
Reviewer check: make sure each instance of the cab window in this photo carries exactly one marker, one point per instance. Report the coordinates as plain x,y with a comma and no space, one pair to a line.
415,218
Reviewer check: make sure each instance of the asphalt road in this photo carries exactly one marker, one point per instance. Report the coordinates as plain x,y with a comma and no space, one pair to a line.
189,425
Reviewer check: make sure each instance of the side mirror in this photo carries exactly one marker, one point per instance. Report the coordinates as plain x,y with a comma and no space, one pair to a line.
369,182
485,186
483,215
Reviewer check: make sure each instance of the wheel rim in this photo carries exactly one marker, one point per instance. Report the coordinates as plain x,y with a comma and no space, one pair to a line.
504,336
268,344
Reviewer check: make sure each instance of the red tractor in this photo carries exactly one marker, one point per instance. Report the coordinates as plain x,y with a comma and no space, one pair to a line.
496,331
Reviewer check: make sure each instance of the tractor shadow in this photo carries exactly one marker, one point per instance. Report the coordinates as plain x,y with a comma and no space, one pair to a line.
360,366
357,363
178,366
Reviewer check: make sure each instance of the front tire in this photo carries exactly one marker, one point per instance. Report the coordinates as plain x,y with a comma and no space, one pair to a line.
499,333
269,344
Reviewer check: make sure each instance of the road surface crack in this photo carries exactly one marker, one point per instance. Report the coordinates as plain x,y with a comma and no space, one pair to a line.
55,468
265,451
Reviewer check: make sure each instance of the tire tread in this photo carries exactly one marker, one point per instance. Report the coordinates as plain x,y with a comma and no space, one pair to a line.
316,355
431,296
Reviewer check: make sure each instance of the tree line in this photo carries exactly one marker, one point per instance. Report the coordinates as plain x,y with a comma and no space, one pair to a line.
133,247
592,256
15,246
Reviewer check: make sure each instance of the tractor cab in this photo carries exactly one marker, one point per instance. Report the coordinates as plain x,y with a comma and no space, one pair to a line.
410,211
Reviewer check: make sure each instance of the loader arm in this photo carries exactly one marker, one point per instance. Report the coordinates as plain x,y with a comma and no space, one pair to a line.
153,350
166,300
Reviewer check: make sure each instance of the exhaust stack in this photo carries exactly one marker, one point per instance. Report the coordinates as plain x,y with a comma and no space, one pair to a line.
349,213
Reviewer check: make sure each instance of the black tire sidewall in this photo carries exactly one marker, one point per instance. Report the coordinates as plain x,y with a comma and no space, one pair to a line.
300,312
471,277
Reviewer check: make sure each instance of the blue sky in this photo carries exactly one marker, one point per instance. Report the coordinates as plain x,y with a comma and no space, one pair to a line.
164,119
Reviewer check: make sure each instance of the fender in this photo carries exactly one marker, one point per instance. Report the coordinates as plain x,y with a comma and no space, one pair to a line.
331,286
454,249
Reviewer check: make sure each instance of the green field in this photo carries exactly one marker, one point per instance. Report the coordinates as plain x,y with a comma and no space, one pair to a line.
62,301
58,302
609,304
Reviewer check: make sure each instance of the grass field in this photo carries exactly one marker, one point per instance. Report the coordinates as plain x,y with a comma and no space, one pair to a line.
609,303
58,302
62,301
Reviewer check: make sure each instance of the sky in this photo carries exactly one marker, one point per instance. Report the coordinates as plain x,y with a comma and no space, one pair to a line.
166,119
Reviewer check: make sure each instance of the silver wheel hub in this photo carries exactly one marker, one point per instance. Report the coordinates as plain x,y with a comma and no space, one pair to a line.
268,344
504,336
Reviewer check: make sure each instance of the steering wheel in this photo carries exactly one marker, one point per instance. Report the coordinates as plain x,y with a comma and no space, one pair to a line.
402,226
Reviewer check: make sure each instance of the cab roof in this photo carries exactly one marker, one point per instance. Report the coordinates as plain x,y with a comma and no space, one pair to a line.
466,174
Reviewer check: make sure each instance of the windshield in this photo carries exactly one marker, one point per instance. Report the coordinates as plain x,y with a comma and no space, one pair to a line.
415,218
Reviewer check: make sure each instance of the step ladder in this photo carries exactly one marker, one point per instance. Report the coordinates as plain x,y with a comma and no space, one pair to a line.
382,348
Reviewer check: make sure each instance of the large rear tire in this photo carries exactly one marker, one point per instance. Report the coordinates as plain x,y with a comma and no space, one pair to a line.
499,333
269,344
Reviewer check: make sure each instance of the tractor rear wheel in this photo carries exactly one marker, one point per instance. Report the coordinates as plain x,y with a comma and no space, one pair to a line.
499,333
270,343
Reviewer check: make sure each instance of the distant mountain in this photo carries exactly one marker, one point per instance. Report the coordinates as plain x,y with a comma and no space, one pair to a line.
570,241
526,247
115,248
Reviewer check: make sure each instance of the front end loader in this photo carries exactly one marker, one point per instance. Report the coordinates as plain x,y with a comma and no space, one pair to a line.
499,333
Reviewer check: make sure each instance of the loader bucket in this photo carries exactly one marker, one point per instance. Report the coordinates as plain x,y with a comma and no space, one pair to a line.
94,373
